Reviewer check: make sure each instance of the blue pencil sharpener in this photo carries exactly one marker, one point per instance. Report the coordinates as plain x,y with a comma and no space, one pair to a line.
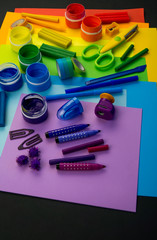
70,109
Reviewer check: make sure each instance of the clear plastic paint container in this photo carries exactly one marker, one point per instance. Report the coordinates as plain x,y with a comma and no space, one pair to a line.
74,15
34,108
29,54
19,36
10,77
91,29
38,77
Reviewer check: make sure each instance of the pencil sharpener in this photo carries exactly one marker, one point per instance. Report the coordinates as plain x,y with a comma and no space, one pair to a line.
112,29
105,108
70,109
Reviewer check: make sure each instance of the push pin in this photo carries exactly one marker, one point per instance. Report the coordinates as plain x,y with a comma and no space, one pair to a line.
105,109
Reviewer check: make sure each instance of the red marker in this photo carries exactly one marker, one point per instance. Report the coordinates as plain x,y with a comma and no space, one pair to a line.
98,148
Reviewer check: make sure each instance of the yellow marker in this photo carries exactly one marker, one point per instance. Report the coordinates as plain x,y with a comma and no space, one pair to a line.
41,17
125,35
46,24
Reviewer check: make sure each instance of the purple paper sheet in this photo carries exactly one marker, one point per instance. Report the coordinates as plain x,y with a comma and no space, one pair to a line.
113,187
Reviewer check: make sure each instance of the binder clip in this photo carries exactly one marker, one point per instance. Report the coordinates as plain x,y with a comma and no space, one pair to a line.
70,109
105,109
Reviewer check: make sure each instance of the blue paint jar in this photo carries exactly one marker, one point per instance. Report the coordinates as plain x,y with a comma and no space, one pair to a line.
38,77
34,108
10,77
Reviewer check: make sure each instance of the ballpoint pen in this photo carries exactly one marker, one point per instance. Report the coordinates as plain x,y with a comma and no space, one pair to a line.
76,136
103,84
124,35
65,130
84,93
79,166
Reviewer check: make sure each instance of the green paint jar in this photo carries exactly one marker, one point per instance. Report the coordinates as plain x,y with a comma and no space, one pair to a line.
29,54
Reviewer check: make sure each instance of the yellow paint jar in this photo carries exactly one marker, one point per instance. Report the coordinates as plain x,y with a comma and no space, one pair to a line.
20,36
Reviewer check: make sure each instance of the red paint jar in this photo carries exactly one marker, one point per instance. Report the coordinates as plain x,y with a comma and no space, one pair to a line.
91,29
74,15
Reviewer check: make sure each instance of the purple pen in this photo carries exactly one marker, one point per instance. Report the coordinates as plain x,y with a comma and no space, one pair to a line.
79,166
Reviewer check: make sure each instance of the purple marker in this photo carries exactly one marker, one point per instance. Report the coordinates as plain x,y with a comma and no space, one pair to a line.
83,146
72,159
79,166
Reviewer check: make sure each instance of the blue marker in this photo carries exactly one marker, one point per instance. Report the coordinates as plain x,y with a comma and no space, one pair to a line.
65,130
2,108
103,84
115,75
84,93
76,136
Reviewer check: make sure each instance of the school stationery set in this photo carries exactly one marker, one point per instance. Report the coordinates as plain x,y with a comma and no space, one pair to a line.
74,111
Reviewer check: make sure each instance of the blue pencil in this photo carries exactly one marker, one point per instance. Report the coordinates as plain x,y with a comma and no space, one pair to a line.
103,84
115,75
84,93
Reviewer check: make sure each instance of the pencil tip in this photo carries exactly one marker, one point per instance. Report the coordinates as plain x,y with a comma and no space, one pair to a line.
99,130
104,166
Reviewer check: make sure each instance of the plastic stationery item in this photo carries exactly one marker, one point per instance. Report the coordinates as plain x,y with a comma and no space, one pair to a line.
107,56
10,77
41,17
72,159
79,68
112,29
91,29
24,23
34,108
20,133
76,136
126,53
28,54
105,109
30,142
119,17
65,130
129,60
70,109
82,146
74,15
38,77
79,166
53,36
19,36
55,52
2,108
124,35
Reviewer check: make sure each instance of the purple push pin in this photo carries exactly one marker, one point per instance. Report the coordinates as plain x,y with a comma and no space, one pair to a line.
105,109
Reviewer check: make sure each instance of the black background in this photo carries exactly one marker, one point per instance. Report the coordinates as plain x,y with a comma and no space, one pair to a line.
23,217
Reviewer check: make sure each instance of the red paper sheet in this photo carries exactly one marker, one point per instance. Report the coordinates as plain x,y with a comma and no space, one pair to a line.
136,15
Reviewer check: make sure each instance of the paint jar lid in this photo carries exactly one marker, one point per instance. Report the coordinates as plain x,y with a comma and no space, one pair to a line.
29,53
20,35
75,11
91,24
34,108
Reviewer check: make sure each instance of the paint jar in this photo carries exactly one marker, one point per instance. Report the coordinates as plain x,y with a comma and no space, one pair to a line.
38,77
28,54
10,77
74,15
91,29
19,36
34,108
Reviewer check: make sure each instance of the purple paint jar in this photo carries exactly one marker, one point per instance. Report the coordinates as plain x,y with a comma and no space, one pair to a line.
34,108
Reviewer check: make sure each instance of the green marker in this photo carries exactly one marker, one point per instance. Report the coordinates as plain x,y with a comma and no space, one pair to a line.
122,65
126,53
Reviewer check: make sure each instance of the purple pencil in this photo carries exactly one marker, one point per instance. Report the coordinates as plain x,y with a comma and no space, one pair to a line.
72,159
79,166
83,146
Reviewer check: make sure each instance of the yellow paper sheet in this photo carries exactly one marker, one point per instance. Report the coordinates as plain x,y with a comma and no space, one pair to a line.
146,37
